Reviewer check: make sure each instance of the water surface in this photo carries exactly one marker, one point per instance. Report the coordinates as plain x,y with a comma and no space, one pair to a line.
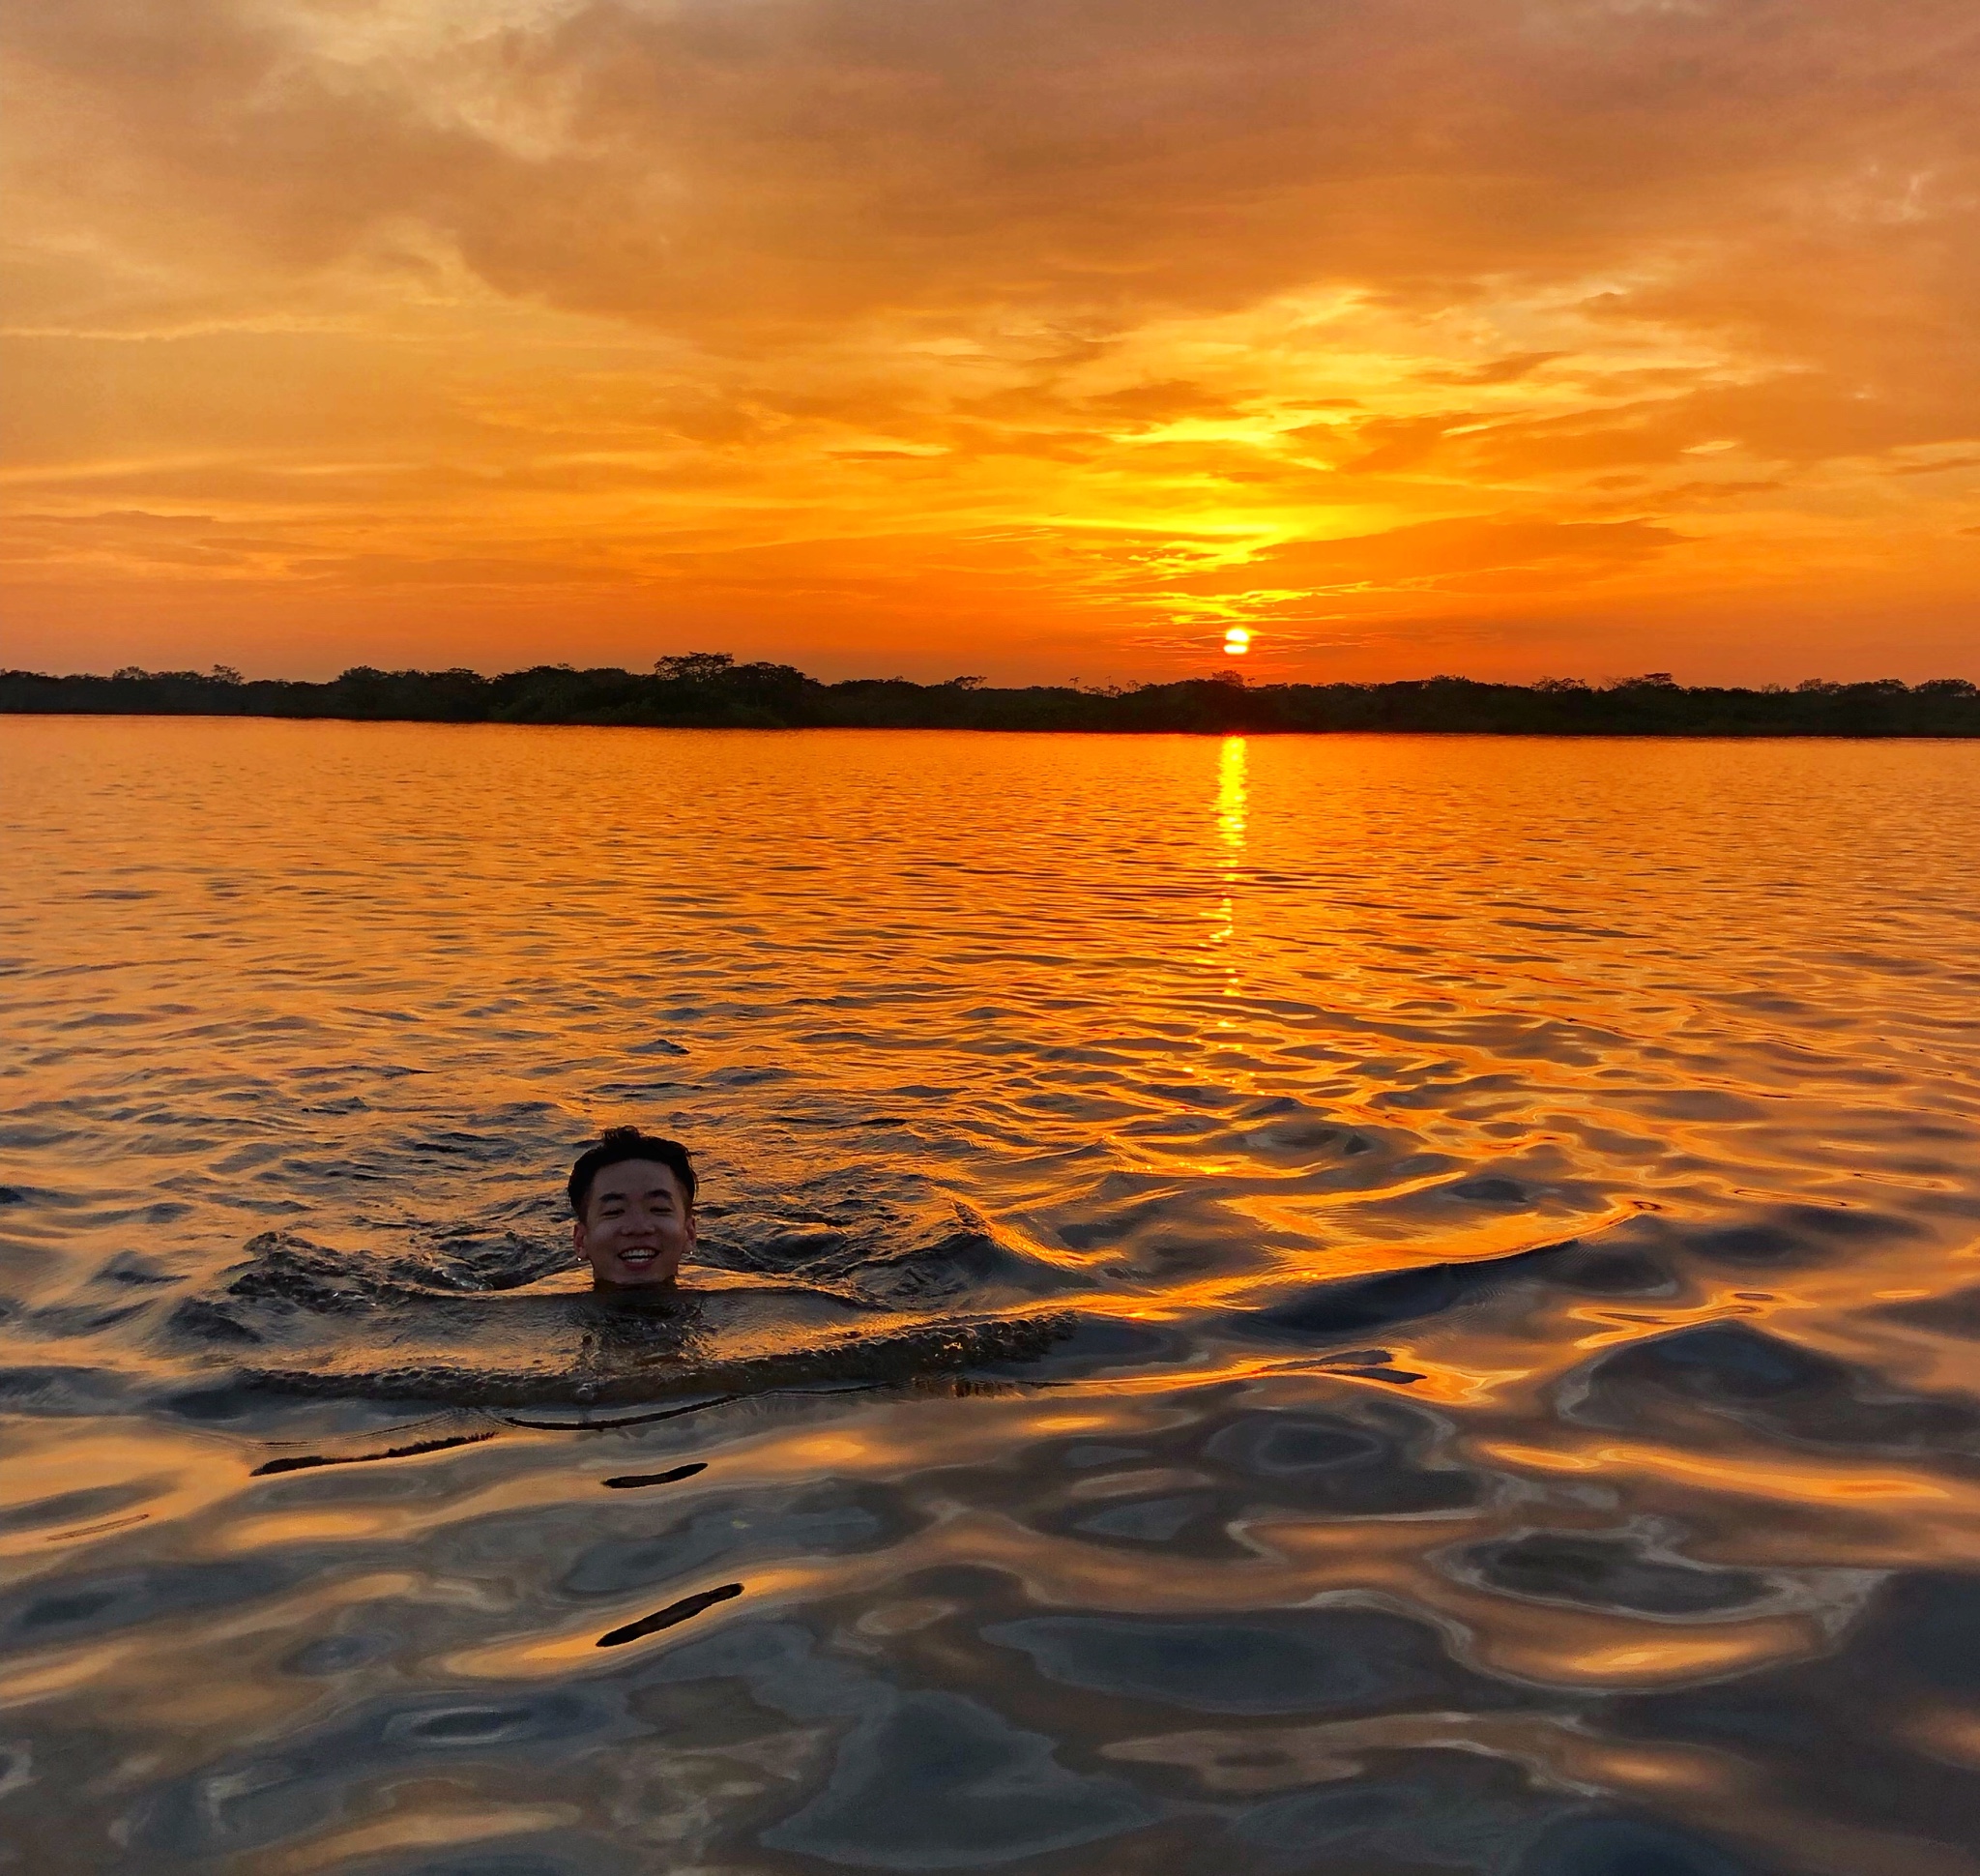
1377,1305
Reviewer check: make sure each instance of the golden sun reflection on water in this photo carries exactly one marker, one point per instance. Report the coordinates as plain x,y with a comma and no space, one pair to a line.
1232,768
1230,809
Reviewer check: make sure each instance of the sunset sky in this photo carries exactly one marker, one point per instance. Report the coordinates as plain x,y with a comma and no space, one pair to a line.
1038,338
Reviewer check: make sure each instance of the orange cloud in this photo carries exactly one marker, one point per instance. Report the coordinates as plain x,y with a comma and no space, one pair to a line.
1031,339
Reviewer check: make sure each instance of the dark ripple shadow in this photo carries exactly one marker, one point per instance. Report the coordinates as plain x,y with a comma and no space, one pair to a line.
82,1507
1332,1662
915,1778
1797,1235
1635,1846
826,1520
1361,1305
1435,1810
244,1802
1733,1371
1188,1489
941,1781
1956,1313
99,1602
1355,1307
1370,1463
1876,1733
1619,1574
883,1233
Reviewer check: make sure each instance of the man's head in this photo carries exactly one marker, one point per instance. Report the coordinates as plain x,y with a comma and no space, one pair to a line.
633,1208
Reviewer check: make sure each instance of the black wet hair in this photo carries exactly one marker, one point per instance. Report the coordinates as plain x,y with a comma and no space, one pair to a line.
620,1143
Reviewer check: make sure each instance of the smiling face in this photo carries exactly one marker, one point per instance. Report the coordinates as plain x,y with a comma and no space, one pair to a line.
637,1224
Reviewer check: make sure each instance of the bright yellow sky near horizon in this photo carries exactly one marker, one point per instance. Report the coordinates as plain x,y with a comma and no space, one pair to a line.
1041,338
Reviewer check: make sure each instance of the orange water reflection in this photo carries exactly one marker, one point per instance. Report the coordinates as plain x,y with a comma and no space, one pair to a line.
1513,1202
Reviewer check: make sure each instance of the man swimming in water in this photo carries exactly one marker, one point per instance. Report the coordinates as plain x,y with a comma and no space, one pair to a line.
632,1209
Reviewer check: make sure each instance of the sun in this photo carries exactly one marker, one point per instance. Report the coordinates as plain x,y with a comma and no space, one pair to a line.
1236,642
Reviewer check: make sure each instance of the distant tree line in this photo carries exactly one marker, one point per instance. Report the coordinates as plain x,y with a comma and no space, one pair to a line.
713,690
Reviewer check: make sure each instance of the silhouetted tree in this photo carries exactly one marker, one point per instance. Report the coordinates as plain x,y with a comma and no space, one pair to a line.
713,690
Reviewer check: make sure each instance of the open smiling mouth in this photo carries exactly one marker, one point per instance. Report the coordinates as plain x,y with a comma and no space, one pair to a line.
639,1261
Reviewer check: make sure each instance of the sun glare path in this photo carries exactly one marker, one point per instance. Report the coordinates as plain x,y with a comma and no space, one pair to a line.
1231,791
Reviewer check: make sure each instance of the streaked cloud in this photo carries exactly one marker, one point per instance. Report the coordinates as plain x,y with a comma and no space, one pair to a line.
1026,338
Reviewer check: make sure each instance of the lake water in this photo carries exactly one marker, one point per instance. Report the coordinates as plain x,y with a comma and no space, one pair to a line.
1384,1307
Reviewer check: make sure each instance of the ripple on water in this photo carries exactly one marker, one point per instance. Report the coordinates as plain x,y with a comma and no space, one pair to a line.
1733,1371
1450,1264
1318,1662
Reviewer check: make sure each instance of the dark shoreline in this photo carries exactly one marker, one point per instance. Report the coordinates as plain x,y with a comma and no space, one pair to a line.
710,691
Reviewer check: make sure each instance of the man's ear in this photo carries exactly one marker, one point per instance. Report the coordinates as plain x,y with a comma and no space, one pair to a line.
577,1236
